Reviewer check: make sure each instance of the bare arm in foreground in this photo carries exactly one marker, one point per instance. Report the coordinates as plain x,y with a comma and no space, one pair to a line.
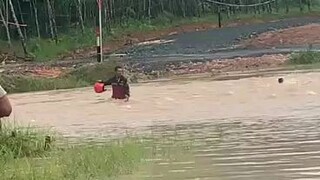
5,105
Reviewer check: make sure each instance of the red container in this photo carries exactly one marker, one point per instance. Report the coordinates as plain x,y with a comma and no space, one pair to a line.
99,87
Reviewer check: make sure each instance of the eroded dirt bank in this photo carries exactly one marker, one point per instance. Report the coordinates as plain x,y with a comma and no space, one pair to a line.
303,35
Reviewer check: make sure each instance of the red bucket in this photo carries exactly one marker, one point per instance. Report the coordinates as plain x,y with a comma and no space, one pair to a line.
99,87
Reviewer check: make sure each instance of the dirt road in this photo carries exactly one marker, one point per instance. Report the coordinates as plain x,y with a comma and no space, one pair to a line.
207,42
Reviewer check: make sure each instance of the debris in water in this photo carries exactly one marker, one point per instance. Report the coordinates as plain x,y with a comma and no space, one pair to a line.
196,96
177,171
311,93
280,80
273,95
230,93
169,99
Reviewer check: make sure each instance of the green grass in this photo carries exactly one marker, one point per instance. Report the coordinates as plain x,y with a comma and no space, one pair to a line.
305,58
92,73
82,77
18,84
294,12
25,156
46,49
77,162
18,142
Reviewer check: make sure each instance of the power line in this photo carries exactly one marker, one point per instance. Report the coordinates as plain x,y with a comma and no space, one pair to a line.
240,5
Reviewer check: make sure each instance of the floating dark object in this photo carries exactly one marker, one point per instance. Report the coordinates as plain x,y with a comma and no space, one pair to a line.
280,80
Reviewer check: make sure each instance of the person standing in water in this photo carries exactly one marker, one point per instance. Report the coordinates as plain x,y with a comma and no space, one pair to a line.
120,86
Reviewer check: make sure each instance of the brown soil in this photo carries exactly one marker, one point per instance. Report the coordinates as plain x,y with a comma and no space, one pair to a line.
304,35
215,67
34,71
228,65
45,72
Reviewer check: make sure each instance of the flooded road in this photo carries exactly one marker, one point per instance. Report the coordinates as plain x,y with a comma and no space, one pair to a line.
238,129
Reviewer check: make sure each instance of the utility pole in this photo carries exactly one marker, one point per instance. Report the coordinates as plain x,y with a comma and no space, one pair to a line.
99,33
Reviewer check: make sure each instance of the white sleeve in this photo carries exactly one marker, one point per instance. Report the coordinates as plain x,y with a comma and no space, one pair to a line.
2,92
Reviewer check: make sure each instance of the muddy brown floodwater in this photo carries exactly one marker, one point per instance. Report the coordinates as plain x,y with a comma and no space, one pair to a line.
241,129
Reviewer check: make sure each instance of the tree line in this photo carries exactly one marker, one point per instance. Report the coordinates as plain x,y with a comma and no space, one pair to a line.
23,19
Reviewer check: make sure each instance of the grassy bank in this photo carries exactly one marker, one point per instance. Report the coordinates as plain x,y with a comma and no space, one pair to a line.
25,155
305,58
28,153
19,84
81,77
45,49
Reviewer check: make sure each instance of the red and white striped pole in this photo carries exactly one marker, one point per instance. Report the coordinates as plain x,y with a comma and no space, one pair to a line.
99,32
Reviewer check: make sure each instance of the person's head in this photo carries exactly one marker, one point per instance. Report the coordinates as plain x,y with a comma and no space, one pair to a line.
280,80
118,70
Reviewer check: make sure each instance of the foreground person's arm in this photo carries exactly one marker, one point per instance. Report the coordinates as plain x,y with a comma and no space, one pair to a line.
5,105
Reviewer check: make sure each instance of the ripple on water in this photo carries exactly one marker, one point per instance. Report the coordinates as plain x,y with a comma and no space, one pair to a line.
266,149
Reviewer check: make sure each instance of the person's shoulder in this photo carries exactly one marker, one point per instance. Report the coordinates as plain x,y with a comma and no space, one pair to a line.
2,92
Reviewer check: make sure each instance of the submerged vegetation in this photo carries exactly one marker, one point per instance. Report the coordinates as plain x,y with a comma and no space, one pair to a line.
28,153
31,153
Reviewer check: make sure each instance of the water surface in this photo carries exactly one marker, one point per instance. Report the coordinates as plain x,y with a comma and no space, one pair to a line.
238,129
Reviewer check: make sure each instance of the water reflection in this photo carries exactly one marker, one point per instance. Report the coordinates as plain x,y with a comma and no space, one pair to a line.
285,148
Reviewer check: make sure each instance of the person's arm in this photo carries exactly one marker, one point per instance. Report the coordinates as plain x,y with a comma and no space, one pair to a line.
127,87
5,105
108,82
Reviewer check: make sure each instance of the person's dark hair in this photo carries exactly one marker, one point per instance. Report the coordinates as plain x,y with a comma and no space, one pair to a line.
116,68
280,80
